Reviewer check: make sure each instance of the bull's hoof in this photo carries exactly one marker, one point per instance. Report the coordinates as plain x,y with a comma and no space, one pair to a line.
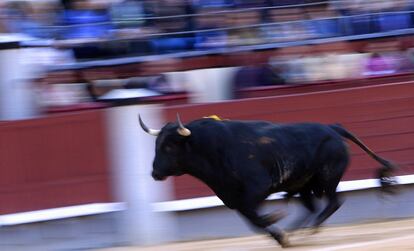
314,230
390,190
282,239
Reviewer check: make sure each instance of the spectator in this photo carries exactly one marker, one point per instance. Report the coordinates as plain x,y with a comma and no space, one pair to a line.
342,7
86,23
216,37
410,54
199,4
168,23
19,18
401,60
290,61
256,73
395,16
378,64
128,13
3,18
85,20
323,22
334,67
161,84
130,20
243,31
288,26
314,66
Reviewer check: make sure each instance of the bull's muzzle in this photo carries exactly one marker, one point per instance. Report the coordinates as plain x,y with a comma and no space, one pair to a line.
158,177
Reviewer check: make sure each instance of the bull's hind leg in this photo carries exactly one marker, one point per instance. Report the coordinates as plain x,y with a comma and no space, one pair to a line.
329,187
307,200
334,160
334,204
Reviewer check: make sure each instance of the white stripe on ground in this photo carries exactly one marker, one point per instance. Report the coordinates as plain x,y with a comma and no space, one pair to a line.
363,244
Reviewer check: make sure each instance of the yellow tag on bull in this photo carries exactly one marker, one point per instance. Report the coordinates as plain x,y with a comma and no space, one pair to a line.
215,117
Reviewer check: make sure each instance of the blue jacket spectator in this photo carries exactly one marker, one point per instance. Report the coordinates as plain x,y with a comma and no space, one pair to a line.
84,21
394,21
19,17
173,19
324,22
213,22
212,3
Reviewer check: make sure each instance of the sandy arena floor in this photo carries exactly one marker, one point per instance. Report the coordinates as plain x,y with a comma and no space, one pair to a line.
383,236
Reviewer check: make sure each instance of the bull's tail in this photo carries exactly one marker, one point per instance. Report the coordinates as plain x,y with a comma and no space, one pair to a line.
385,172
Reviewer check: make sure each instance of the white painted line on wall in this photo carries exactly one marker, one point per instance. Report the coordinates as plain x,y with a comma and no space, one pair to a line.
214,201
60,213
167,206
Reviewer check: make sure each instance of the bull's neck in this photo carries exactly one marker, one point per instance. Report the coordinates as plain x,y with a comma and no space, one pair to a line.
207,156
210,173
219,179
201,170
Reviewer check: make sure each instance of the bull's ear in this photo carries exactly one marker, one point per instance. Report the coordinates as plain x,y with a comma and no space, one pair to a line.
182,130
152,132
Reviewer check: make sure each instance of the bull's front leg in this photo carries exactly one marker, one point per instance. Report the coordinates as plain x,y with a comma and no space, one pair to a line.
264,223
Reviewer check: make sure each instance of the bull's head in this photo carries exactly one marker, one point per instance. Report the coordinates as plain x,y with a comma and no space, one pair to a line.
170,149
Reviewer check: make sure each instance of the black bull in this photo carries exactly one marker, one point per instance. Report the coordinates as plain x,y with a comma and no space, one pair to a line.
244,162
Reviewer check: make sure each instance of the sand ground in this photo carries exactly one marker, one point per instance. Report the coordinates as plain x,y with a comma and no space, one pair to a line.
397,235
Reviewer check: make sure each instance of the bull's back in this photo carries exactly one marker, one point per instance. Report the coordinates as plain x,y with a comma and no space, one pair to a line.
260,152
297,144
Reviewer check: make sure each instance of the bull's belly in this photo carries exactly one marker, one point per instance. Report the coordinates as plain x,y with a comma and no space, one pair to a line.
294,182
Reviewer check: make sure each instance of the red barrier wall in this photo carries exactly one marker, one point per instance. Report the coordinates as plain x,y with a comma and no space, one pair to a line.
53,162
382,116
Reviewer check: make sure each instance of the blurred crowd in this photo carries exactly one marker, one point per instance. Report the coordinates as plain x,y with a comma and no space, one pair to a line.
289,66
304,64
162,26
112,28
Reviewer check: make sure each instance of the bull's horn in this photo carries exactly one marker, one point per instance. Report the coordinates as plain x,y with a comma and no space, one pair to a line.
152,132
181,129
